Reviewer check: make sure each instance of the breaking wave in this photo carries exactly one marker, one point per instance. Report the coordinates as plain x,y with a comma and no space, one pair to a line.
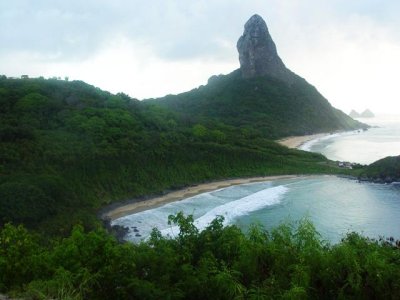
237,208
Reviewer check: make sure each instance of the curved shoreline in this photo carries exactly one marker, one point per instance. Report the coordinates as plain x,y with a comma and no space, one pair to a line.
298,141
123,208
136,205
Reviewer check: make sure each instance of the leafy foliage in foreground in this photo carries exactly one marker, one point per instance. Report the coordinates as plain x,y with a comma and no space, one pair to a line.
290,262
67,149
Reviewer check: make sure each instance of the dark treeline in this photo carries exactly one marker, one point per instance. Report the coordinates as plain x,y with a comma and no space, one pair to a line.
290,262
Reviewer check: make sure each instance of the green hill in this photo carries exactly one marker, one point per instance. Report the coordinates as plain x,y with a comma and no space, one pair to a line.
262,106
262,98
68,148
385,170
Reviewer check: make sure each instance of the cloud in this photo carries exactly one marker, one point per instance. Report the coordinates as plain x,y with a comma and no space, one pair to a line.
61,30
348,49
125,66
353,63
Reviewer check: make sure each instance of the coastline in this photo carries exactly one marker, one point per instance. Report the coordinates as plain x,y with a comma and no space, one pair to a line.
124,208
297,141
137,205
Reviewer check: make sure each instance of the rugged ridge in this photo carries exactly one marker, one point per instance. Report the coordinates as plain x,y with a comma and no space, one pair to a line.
258,55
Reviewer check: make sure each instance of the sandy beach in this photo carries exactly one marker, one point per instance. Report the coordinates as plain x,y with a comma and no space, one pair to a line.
138,206
297,141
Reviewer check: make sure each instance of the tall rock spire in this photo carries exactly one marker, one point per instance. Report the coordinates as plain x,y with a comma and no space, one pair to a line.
257,52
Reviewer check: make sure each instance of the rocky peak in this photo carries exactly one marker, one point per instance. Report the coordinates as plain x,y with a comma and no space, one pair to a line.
257,52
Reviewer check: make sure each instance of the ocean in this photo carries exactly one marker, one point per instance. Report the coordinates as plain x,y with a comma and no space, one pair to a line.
363,147
335,205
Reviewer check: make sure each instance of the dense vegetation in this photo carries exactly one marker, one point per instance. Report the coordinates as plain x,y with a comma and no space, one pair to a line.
263,106
68,148
290,262
384,170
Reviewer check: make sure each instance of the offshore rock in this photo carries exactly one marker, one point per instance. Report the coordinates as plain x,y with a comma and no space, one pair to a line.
258,55
367,114
354,114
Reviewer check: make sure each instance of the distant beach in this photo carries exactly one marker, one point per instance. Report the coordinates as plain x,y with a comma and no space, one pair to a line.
141,205
297,141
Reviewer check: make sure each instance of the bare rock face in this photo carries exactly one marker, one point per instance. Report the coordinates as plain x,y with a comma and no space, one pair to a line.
257,53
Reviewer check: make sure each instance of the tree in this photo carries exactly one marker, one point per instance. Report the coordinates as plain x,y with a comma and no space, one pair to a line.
24,203
199,131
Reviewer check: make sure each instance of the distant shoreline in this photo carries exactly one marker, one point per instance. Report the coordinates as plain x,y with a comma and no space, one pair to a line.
298,141
137,205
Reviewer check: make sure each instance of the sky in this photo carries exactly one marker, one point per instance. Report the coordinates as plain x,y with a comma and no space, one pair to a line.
348,49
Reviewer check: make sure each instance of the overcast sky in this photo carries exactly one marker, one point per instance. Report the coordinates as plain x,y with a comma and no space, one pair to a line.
348,49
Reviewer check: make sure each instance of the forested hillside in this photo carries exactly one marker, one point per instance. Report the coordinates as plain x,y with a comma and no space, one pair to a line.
68,148
385,170
262,106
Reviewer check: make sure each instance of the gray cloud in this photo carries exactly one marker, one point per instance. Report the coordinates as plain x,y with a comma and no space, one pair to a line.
79,38
75,29
51,29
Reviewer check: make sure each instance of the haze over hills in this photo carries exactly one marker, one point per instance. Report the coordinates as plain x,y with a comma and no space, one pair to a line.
263,95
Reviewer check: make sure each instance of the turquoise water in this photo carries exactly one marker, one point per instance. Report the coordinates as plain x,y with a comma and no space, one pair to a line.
335,205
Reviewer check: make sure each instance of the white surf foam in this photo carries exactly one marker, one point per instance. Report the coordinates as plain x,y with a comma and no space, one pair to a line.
237,208
308,145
